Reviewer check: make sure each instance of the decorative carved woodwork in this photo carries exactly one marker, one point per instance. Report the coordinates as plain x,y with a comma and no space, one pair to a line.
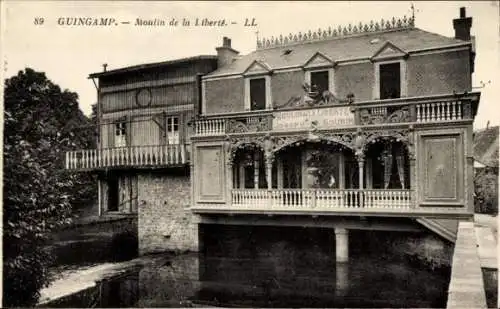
249,124
312,97
356,141
379,115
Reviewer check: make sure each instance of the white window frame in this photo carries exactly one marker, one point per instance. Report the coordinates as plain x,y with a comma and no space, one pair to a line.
331,76
403,77
267,78
173,136
120,139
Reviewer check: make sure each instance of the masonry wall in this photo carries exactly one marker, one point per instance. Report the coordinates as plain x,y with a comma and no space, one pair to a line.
224,95
435,74
286,86
165,223
354,78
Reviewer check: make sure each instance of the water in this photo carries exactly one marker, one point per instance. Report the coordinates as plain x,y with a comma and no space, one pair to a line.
277,267
287,267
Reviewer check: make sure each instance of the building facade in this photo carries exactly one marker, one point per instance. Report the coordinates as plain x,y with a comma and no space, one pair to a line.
367,126
144,149
341,128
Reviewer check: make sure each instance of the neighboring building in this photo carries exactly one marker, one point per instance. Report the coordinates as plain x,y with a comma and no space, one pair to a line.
143,154
352,128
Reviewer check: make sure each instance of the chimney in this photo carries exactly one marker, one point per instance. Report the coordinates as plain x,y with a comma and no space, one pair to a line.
225,54
462,26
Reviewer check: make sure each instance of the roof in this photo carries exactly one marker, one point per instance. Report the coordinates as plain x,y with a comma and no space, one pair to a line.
359,46
486,146
152,65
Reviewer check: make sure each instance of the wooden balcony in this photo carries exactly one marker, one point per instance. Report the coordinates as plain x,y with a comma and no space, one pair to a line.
328,202
133,157
418,110
321,198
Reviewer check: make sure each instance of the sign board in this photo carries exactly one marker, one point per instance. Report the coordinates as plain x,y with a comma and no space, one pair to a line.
320,118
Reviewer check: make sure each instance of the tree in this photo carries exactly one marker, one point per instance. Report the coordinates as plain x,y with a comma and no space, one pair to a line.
486,191
38,192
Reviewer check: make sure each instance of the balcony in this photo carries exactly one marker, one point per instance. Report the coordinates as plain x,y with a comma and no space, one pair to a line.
326,202
322,199
419,110
128,157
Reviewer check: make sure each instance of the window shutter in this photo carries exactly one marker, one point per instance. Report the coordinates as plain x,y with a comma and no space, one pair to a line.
128,130
182,128
111,134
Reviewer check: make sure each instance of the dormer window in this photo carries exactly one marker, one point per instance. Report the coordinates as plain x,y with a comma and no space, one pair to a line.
389,67
390,80
257,93
258,86
320,81
319,74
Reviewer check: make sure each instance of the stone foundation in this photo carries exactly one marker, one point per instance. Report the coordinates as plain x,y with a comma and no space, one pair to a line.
165,222
423,248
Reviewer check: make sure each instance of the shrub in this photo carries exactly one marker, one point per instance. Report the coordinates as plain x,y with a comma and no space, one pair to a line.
486,191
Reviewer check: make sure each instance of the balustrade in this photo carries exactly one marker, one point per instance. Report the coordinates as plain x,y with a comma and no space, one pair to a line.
439,111
210,127
321,198
127,156
403,110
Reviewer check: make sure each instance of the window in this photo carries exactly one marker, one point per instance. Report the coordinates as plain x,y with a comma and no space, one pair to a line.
113,194
172,130
121,134
319,81
390,80
258,94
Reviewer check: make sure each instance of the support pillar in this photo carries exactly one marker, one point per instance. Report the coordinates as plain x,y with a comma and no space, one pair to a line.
341,245
269,171
256,166
341,279
412,184
241,181
99,196
361,176
361,164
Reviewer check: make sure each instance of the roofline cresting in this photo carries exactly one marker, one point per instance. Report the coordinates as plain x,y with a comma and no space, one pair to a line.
339,32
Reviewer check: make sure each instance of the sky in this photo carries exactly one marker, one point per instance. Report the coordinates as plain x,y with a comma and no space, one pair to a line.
32,37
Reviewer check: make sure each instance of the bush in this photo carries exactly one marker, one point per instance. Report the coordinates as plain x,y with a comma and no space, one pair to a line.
486,191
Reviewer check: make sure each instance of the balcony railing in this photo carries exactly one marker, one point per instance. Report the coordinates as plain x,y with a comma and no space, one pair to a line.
323,199
403,110
134,156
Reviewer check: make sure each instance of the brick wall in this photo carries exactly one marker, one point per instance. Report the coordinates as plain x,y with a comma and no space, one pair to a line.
164,222
286,85
225,95
439,73
354,78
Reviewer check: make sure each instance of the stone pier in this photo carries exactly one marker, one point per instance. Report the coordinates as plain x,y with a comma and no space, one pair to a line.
466,288
341,245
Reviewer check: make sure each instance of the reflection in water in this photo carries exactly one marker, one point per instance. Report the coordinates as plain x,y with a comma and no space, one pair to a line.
277,267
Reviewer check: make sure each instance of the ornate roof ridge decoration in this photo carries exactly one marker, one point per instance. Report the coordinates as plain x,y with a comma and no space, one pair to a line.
335,33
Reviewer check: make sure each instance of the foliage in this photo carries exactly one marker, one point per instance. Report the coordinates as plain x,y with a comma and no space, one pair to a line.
38,193
486,191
